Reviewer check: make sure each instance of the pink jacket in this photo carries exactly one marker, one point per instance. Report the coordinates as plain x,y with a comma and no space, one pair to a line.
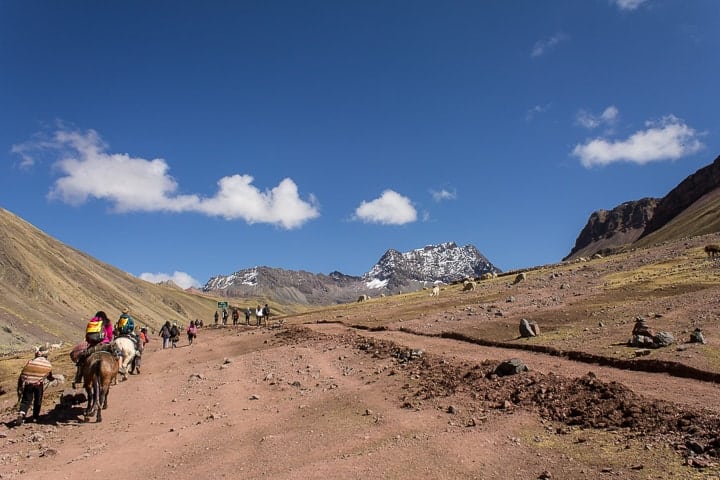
108,331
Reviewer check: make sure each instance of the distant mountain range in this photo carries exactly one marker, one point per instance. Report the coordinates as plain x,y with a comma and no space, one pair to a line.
690,209
395,272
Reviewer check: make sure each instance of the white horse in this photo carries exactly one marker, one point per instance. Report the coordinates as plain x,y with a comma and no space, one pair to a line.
128,350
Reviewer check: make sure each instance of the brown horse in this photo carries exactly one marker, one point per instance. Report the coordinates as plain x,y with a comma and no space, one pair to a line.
99,370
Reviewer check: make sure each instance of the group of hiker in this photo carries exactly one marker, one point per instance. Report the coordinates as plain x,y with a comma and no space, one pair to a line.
170,333
260,312
99,335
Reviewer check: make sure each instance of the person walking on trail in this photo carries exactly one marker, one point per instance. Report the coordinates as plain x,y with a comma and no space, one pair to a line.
143,340
174,334
191,332
217,316
248,312
266,313
165,334
235,316
225,316
258,315
31,384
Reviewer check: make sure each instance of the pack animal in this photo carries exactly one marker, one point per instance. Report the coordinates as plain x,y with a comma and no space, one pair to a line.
128,350
712,250
435,291
99,370
468,286
363,298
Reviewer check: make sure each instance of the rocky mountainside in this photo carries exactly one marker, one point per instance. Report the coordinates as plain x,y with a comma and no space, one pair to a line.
395,272
690,209
608,229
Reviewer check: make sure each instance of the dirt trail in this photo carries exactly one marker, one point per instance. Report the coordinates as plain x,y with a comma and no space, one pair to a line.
313,402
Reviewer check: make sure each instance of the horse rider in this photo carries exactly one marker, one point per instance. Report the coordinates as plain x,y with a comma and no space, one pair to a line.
125,324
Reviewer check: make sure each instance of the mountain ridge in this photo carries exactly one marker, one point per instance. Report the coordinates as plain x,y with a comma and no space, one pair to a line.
395,272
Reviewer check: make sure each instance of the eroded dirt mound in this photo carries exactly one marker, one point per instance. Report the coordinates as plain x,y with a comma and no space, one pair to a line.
585,402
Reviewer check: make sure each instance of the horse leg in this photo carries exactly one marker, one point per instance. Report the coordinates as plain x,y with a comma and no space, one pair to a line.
99,399
125,365
89,393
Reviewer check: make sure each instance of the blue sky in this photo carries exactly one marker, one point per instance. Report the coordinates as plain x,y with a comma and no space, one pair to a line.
191,139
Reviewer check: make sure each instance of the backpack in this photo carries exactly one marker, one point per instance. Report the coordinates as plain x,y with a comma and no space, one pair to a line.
125,324
174,332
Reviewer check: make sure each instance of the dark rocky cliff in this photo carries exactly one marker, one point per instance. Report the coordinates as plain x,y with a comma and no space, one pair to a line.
608,229
685,194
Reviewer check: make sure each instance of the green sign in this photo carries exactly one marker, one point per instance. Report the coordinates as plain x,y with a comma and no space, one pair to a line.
222,304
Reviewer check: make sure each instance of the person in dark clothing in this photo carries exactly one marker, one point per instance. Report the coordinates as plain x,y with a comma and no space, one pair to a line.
174,334
266,313
165,334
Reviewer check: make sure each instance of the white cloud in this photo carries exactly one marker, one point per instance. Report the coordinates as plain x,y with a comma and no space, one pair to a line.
588,120
668,139
628,4
181,279
440,195
536,110
390,208
238,198
133,184
541,47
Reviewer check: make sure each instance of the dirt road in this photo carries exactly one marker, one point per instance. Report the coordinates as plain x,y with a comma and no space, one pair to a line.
327,401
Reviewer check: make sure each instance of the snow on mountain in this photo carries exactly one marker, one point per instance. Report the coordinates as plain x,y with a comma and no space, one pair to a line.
444,263
395,272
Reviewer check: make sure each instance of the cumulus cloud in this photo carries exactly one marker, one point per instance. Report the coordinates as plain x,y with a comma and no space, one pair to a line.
390,208
628,4
130,184
443,194
589,120
181,279
541,47
668,139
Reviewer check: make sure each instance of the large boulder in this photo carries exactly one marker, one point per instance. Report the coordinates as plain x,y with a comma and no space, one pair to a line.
528,329
510,367
663,339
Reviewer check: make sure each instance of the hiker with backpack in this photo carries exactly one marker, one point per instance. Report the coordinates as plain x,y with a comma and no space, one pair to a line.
266,313
174,334
31,385
165,334
191,332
